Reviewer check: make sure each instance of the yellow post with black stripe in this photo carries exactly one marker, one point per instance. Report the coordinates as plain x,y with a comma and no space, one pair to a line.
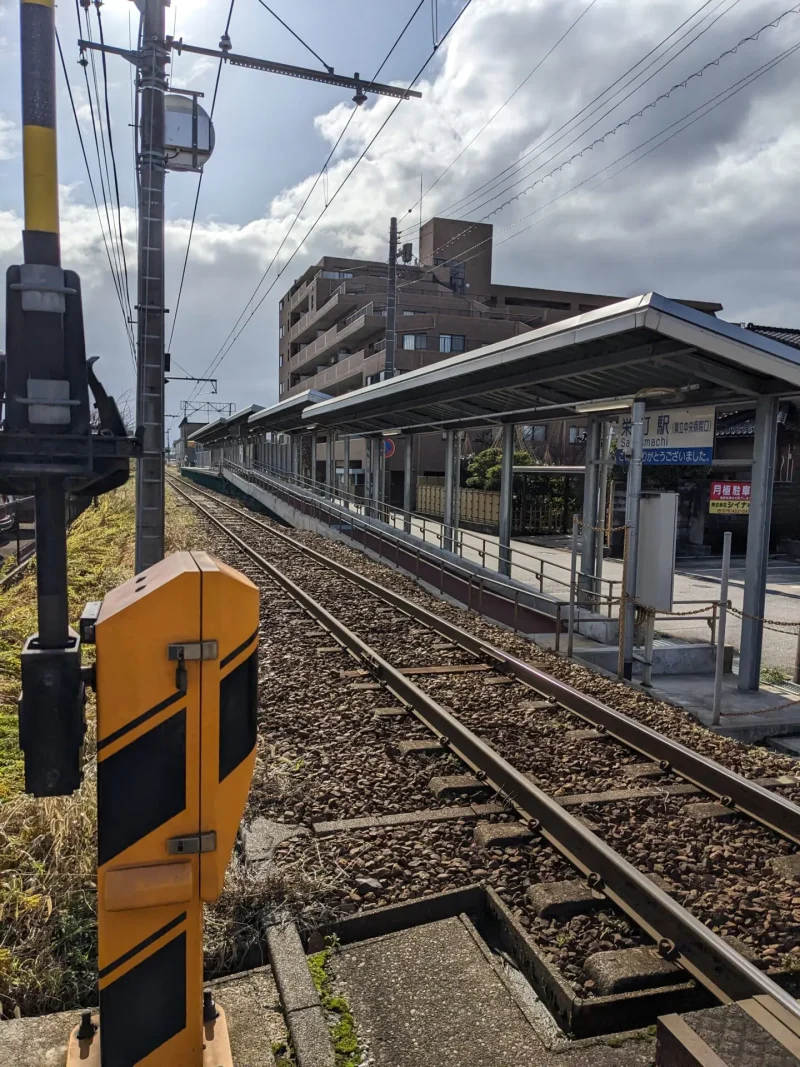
176,683
39,155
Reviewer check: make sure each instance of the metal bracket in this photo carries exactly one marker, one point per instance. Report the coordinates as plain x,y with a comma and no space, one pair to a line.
193,650
88,620
192,844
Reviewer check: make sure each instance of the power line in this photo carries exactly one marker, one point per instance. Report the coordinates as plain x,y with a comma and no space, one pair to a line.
197,195
113,157
323,173
115,279
223,351
297,37
574,118
507,101
709,105
106,192
624,122
496,195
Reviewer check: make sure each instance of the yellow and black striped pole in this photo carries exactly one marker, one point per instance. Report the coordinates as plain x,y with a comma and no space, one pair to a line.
40,166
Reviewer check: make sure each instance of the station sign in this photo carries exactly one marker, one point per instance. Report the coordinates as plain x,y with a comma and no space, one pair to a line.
388,447
672,436
730,497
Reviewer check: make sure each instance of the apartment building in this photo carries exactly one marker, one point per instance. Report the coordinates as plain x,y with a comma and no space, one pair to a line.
332,321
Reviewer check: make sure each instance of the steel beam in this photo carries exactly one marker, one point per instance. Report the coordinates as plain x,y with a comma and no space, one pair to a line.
448,516
757,558
506,501
632,506
408,481
586,584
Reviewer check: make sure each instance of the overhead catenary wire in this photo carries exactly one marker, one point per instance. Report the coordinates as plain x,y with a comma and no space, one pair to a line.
692,116
507,101
105,188
296,36
197,195
624,122
114,276
322,174
578,137
233,337
113,156
457,204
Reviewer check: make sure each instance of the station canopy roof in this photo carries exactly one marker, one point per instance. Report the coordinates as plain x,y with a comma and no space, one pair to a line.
646,343
286,416
210,432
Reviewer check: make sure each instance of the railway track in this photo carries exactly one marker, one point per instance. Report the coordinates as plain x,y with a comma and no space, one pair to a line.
567,783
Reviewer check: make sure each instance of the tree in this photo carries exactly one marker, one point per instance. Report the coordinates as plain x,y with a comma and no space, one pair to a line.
484,468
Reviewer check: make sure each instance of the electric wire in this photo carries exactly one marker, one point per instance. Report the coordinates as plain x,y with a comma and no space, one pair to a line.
569,144
507,101
323,174
113,156
114,277
99,142
232,335
462,203
625,122
297,36
197,196
692,116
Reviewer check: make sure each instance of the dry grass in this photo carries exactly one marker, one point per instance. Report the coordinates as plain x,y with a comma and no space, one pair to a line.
48,933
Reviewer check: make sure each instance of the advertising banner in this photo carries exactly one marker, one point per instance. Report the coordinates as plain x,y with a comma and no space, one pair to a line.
729,497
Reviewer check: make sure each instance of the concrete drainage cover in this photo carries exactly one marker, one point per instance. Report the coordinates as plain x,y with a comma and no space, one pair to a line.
262,837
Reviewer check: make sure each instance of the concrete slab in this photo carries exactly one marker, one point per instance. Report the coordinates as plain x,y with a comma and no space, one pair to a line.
252,1010
728,1033
708,810
787,866
262,837
443,785
788,746
745,716
627,969
562,900
500,834
429,996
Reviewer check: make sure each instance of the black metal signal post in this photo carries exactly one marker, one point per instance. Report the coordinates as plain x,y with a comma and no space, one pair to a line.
46,445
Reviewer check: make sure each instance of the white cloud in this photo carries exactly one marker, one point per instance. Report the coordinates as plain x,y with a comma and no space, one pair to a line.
9,139
712,214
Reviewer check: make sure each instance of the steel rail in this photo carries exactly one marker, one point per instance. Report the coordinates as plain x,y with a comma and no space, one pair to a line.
680,937
771,810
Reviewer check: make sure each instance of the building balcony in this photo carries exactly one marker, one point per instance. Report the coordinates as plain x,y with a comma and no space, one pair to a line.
346,297
355,328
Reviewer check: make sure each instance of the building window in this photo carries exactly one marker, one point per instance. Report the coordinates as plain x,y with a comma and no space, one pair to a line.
280,333
415,340
536,433
452,342
280,305
576,434
280,361
281,387
337,274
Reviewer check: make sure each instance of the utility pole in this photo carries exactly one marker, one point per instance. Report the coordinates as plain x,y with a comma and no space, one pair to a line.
151,65
391,301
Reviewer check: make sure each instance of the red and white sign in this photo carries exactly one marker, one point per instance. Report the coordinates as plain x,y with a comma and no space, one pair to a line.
730,497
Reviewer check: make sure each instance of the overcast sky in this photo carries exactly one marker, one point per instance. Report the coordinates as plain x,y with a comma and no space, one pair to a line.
712,214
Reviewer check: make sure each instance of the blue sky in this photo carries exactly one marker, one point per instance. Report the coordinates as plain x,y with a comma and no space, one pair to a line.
712,214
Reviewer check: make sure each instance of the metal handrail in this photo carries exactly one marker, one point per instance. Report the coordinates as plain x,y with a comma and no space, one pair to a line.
460,539
498,585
